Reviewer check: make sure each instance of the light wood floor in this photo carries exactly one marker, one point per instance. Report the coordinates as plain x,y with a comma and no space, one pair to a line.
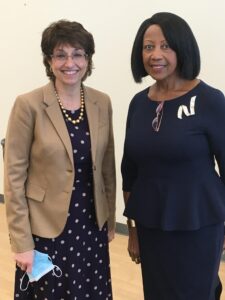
126,276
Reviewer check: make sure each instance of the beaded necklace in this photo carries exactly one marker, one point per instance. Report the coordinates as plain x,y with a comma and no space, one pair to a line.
81,115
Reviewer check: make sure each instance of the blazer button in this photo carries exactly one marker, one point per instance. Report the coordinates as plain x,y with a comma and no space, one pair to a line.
93,167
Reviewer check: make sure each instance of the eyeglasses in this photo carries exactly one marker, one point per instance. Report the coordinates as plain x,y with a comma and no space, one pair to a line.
78,56
158,119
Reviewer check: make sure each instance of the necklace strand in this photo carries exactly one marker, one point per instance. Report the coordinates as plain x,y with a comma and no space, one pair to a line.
81,115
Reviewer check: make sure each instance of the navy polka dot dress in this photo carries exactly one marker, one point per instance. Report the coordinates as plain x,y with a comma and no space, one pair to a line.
81,251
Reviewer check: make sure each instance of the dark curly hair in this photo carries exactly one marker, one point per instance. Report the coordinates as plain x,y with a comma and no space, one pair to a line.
66,32
180,38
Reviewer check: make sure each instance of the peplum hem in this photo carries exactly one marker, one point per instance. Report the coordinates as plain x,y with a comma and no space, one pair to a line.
170,205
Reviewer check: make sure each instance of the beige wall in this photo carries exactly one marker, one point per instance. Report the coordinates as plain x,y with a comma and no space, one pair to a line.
114,24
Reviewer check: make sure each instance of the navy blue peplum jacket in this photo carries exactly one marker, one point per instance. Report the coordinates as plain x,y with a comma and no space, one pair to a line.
171,173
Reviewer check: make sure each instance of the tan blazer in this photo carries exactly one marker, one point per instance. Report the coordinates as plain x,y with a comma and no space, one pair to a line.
39,168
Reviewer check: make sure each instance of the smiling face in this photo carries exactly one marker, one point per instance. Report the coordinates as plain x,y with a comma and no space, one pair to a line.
159,60
69,65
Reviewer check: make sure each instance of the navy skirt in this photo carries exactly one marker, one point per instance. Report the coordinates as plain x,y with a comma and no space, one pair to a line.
180,265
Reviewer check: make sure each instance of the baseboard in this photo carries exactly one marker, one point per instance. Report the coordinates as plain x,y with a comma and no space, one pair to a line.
1,198
121,228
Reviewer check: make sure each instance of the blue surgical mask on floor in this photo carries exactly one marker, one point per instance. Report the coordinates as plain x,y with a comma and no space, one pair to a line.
42,264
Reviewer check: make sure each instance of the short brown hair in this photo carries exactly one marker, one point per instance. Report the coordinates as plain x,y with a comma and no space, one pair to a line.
66,32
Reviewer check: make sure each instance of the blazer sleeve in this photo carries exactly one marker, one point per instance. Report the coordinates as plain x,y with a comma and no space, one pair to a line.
109,172
18,143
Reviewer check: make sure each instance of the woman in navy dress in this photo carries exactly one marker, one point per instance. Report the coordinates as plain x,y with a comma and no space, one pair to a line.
60,176
174,197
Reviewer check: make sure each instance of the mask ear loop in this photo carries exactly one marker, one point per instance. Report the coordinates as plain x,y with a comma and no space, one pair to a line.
21,283
56,268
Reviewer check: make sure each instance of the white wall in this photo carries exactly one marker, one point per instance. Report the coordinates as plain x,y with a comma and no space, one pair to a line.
114,25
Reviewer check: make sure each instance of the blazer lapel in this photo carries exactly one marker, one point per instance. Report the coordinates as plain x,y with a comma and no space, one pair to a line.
92,111
54,113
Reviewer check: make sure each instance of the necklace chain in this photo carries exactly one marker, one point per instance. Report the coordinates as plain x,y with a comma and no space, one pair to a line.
81,115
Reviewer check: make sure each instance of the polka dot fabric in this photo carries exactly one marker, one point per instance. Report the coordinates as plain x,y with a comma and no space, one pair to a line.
81,251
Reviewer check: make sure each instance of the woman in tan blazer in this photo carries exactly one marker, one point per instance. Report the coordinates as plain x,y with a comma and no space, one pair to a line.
60,173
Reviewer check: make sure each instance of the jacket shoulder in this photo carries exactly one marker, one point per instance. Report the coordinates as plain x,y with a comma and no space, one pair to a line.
36,91
96,95
37,96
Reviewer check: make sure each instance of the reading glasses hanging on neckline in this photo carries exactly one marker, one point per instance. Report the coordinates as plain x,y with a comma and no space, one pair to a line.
158,119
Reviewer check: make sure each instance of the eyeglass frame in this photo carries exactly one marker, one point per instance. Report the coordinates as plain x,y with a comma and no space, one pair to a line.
63,57
158,119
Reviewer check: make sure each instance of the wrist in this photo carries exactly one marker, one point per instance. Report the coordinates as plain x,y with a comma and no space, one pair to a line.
130,223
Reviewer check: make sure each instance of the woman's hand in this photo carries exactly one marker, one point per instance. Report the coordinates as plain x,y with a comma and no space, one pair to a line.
111,235
133,245
24,260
